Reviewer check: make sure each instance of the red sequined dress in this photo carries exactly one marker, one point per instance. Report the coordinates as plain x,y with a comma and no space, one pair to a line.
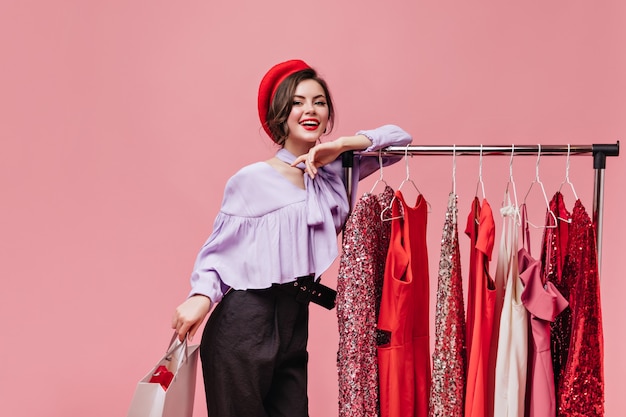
580,390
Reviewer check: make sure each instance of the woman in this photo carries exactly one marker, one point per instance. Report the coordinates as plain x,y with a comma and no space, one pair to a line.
275,233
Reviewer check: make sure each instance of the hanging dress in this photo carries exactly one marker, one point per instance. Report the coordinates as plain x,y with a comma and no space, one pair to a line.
404,362
359,288
544,304
447,391
481,299
553,252
580,391
512,347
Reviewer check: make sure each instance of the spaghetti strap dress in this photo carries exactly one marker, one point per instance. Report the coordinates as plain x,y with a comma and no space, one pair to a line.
512,347
404,362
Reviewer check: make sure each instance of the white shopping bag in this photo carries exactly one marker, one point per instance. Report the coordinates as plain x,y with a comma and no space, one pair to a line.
152,400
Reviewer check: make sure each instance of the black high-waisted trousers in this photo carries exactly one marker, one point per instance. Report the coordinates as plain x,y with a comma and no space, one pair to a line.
254,357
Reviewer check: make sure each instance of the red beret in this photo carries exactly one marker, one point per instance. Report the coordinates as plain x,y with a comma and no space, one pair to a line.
270,83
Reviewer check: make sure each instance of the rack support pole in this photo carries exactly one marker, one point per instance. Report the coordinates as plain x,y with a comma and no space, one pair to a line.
599,165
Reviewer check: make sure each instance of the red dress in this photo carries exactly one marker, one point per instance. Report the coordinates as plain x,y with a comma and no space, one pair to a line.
404,362
481,300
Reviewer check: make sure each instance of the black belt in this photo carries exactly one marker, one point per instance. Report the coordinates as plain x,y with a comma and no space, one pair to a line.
306,289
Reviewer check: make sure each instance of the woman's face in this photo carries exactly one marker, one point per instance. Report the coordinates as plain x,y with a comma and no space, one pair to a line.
309,114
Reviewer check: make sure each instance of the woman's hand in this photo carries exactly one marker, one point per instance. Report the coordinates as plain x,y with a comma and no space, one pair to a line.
189,316
325,153
319,155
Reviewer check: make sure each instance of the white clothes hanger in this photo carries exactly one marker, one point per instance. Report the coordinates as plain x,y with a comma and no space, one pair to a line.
454,213
454,168
480,174
407,179
567,180
480,182
543,191
408,172
380,170
511,183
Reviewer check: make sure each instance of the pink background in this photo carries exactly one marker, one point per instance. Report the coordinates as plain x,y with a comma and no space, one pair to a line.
120,122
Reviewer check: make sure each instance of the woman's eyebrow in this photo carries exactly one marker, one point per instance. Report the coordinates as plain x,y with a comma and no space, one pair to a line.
316,97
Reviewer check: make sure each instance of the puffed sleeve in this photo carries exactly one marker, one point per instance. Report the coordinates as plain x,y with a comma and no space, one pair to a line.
382,137
387,135
205,278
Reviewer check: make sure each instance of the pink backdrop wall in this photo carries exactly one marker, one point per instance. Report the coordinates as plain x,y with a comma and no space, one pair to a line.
120,122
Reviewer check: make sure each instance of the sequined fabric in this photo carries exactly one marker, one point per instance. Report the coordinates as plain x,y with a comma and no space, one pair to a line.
580,391
447,391
359,288
553,252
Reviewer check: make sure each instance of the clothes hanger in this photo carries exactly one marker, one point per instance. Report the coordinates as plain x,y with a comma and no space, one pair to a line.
454,168
407,179
380,176
454,212
480,174
566,180
408,172
480,183
511,183
543,190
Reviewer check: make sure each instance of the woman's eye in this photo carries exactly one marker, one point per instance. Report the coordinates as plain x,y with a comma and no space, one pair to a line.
296,103
320,103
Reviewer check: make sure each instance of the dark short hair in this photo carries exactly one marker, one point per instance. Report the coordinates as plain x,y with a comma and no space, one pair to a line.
281,105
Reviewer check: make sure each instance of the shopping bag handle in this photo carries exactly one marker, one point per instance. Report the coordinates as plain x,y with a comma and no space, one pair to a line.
173,347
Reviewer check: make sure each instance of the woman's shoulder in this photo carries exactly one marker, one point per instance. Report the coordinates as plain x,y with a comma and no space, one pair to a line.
255,190
248,173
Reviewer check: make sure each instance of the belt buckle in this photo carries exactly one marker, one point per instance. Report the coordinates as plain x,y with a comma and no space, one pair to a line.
302,294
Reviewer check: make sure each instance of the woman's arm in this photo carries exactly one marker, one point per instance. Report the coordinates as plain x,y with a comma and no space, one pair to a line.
364,140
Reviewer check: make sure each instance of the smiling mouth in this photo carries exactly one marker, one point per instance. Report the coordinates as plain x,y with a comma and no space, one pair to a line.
310,124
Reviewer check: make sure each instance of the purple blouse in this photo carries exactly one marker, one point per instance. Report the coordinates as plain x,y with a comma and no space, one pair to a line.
269,231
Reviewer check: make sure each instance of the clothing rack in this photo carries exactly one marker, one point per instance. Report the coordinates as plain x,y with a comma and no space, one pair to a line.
599,152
